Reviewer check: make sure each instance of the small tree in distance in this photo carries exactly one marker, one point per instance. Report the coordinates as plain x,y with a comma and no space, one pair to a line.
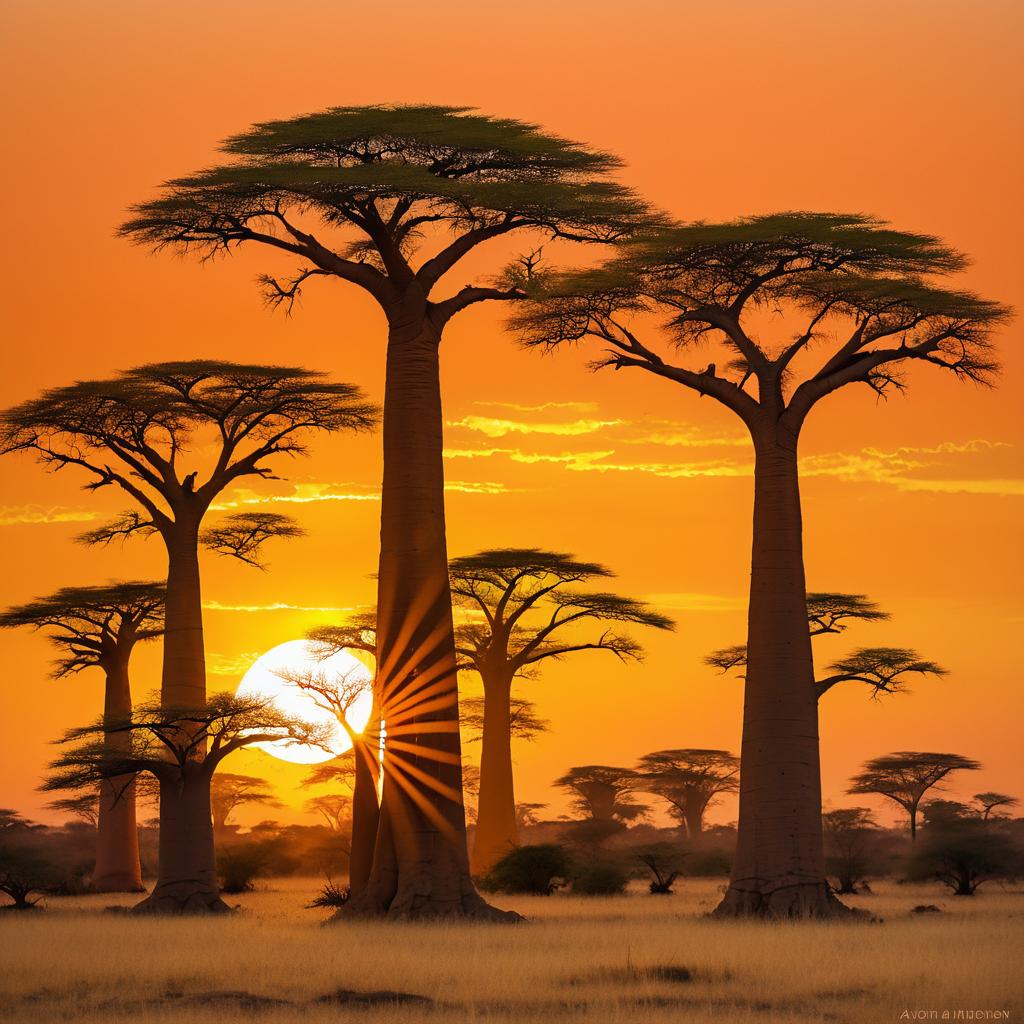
988,802
534,605
689,780
904,777
849,835
228,792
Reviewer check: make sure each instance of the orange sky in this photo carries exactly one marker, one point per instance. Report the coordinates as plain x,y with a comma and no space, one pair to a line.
910,111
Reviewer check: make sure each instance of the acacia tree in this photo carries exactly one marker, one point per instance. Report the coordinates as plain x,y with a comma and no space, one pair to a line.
136,432
689,780
244,534
98,627
850,833
533,607
366,195
860,296
605,797
904,777
228,792
182,748
988,802
881,669
337,694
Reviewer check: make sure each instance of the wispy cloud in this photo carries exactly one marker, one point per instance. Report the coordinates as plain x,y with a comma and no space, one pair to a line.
234,665
689,438
492,427
277,606
578,406
16,515
476,487
302,494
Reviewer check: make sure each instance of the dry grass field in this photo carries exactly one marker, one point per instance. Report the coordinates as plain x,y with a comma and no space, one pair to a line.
630,959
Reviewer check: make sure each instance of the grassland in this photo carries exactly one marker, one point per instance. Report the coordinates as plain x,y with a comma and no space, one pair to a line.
632,959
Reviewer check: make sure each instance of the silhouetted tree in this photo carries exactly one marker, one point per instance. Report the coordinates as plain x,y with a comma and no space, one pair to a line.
181,748
337,693
135,432
964,852
228,792
83,806
905,777
689,780
605,798
527,814
334,808
365,195
865,309
882,669
535,607
988,802
524,722
850,833
359,634
98,627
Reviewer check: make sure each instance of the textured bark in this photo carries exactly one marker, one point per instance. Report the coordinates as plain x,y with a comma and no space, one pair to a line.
420,866
496,833
365,809
117,837
187,883
779,869
187,871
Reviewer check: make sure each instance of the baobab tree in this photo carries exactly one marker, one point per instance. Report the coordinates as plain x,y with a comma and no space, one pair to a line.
882,669
904,777
136,432
181,748
392,199
337,693
98,627
689,780
853,301
228,792
359,633
535,605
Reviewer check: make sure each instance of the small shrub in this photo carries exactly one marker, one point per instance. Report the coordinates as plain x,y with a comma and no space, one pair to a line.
240,865
331,895
599,879
537,870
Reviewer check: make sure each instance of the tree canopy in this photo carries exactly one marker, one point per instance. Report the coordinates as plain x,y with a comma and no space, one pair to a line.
851,281
243,534
688,780
135,430
88,625
527,597
602,792
350,191
524,722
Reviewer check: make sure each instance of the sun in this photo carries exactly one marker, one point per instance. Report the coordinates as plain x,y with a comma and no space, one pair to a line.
297,656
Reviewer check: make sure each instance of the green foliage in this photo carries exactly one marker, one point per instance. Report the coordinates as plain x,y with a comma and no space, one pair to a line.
537,870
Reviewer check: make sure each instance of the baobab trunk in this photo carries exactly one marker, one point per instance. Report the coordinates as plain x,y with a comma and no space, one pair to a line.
694,817
779,870
365,806
187,883
420,864
496,832
187,871
117,836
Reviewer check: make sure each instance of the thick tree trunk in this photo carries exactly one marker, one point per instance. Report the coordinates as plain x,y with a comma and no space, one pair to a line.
694,820
365,809
187,871
496,832
420,864
187,883
779,869
118,868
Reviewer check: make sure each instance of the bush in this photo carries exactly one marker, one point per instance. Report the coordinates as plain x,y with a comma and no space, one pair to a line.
964,853
330,895
537,870
599,879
